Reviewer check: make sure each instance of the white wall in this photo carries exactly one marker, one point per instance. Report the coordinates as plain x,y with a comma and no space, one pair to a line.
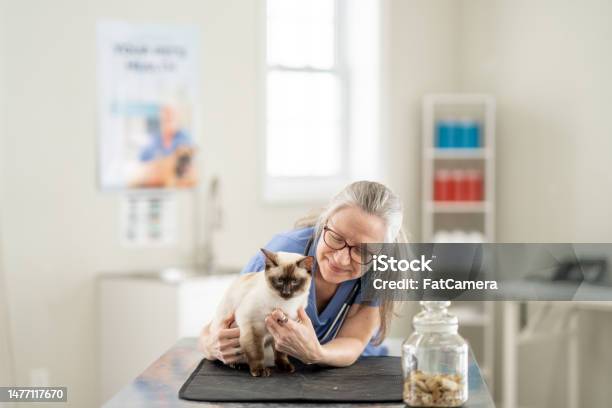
58,230
548,63
420,58
232,142
5,355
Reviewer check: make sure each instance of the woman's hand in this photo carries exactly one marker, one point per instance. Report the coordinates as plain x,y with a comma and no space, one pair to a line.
222,344
298,339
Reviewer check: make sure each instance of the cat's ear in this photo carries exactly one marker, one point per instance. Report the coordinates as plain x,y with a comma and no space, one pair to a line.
270,257
306,263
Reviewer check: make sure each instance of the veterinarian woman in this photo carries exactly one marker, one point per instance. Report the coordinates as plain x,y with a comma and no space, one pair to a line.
337,326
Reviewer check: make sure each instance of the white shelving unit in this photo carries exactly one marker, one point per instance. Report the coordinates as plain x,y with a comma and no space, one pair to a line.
475,318
482,109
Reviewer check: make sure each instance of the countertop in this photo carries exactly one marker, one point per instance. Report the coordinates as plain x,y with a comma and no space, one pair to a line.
159,384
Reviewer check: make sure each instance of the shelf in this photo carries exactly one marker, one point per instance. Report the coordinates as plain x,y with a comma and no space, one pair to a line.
458,154
458,206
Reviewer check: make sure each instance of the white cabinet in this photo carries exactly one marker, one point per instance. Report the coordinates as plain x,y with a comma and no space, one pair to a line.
143,314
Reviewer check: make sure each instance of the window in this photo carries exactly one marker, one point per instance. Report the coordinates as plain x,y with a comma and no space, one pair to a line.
308,146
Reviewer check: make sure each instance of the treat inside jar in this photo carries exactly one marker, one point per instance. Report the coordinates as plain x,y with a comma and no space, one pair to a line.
433,390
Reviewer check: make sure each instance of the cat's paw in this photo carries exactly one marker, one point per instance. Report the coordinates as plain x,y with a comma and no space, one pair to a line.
285,367
260,372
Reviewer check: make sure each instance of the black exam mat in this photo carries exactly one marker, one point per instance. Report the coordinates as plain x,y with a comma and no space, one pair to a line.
370,379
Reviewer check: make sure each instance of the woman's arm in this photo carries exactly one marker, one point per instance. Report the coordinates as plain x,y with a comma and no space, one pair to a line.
356,332
299,339
223,344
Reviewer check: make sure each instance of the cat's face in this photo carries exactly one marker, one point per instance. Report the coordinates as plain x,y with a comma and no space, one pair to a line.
287,274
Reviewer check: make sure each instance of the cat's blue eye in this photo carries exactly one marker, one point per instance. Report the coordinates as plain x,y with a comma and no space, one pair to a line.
294,282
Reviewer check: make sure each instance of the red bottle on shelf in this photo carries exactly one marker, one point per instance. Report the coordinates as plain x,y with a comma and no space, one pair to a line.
443,186
475,185
461,185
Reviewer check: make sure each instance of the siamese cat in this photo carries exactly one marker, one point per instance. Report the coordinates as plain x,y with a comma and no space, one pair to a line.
284,285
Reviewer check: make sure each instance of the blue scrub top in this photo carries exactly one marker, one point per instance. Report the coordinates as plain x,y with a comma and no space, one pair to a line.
156,149
296,241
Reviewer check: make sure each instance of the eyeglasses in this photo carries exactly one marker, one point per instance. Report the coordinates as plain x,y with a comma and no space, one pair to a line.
357,253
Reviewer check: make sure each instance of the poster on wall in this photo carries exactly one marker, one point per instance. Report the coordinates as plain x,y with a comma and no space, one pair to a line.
147,100
148,220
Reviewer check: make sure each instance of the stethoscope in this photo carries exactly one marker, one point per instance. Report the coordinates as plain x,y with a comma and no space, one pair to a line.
333,329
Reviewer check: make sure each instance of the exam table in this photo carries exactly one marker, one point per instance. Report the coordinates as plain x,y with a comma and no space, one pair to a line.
159,384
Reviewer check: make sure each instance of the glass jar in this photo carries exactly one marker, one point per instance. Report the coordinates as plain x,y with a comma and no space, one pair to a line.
435,359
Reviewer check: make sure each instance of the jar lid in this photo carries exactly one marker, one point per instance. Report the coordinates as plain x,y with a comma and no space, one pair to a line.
434,318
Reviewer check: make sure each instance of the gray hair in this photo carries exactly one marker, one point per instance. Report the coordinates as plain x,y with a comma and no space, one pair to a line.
372,198
376,199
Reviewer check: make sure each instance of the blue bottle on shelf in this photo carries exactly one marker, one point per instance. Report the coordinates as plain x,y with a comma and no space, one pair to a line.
472,135
445,130
467,134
